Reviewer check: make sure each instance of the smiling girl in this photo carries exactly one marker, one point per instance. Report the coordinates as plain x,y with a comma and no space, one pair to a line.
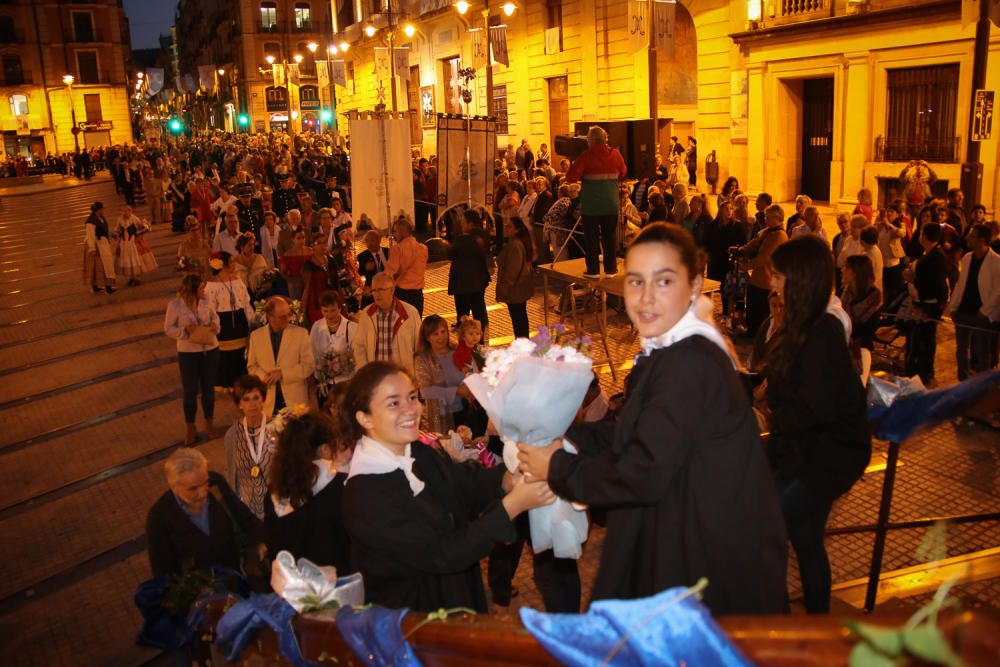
682,471
418,522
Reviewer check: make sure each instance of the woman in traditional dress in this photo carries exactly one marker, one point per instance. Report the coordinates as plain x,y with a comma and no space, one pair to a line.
331,337
682,472
129,263
249,450
98,257
230,299
250,266
318,275
193,252
419,523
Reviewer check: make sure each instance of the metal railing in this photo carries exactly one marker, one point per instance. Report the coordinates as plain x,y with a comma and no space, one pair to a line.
904,149
799,7
17,78
269,27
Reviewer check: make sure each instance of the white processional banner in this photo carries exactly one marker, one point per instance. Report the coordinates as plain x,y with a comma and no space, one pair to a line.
381,173
458,173
638,25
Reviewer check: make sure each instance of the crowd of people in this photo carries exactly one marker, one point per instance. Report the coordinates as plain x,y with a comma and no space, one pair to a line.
313,323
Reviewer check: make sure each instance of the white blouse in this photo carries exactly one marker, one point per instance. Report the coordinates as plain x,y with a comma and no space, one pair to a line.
229,295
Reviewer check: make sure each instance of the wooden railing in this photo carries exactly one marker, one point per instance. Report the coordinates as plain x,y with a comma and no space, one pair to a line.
768,641
794,11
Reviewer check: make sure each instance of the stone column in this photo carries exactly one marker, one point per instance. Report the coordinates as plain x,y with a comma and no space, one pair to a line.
756,129
857,139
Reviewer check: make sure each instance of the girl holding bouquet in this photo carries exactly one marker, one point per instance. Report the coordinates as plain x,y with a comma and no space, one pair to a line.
419,523
681,472
331,337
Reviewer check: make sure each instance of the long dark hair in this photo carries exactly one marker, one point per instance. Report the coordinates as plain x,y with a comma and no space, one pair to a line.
358,397
864,274
292,472
807,264
524,236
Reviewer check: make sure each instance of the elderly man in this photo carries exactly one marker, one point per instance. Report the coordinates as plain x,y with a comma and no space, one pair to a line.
293,225
187,524
280,354
759,250
975,305
225,241
388,329
406,264
600,169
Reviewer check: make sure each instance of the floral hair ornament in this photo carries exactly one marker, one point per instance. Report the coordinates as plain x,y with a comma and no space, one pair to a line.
216,264
285,415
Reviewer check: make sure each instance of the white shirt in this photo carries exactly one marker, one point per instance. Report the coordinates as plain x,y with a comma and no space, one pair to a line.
373,458
339,341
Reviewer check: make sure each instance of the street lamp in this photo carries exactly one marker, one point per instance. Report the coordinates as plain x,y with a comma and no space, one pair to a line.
508,9
68,80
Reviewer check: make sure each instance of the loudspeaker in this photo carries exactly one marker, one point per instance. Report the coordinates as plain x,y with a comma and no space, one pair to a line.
634,139
570,146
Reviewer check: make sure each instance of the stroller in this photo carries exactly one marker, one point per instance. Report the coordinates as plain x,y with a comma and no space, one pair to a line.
734,292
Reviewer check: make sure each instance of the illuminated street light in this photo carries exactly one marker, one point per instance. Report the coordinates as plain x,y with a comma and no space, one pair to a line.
332,50
68,79
312,46
462,6
139,74
370,30
344,46
222,72
753,10
297,58
270,59
408,29
508,8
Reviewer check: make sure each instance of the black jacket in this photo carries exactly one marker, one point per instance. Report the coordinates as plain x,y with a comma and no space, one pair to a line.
175,542
423,551
686,484
314,531
931,280
367,266
819,420
469,254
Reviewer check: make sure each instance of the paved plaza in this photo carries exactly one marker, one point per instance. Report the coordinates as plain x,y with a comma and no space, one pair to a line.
91,407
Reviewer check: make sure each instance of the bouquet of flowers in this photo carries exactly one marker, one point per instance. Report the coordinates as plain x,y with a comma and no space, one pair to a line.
531,391
333,364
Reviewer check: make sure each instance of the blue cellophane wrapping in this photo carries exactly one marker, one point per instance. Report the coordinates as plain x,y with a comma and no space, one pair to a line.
376,636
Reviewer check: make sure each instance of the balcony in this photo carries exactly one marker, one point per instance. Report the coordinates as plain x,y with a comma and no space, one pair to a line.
94,78
269,27
83,36
17,78
904,149
796,11
304,26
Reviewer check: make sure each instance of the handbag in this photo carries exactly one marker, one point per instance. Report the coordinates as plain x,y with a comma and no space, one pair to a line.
203,335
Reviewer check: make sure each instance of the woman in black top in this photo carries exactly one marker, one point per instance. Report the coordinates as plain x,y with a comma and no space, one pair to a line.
302,510
419,522
681,472
820,443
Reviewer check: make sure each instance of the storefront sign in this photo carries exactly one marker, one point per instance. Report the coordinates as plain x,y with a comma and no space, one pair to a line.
309,98
98,126
276,98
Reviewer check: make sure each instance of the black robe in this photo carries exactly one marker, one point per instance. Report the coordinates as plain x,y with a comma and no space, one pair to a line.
314,531
686,483
423,551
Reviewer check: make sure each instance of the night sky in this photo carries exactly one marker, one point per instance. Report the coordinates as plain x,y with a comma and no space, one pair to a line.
148,19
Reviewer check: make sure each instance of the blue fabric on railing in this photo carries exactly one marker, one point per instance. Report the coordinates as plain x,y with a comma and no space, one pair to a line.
375,635
899,420
169,629
236,629
662,630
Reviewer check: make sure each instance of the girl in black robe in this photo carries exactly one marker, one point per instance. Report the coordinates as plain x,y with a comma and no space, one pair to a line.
682,472
419,523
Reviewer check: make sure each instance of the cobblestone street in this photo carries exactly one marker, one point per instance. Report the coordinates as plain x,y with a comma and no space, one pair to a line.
91,406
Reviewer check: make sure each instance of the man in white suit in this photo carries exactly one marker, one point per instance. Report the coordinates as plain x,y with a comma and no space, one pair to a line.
975,305
388,329
281,356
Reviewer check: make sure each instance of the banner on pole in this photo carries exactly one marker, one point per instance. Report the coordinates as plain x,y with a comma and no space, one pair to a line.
322,74
381,62
293,74
402,56
459,176
381,174
190,85
206,78
479,48
339,73
664,20
154,75
638,24
498,42
278,74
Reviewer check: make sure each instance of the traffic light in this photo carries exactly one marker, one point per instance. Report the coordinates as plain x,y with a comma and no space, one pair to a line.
243,120
326,115
175,126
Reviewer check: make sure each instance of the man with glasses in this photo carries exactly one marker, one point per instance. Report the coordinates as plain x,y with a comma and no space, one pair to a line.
388,329
280,354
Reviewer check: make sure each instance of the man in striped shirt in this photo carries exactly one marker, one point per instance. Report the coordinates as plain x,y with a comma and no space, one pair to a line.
600,169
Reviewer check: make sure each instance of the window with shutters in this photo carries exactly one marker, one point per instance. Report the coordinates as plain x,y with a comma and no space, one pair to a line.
92,105
921,115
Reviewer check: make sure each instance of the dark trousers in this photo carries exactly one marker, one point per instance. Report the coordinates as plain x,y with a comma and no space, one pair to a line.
921,346
519,319
557,579
758,308
598,236
414,297
806,513
198,373
892,282
474,304
130,193
975,343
